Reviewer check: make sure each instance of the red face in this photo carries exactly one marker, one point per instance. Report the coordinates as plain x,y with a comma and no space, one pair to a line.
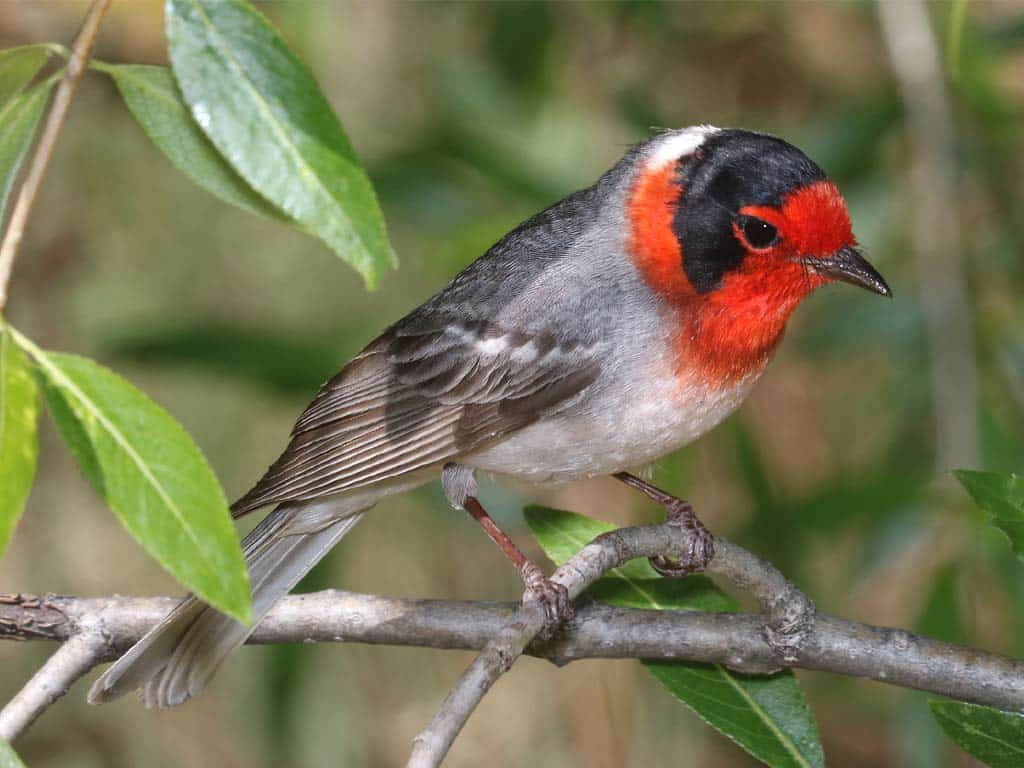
736,258
812,223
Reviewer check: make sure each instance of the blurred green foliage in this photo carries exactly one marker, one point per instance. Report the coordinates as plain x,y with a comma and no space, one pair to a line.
470,117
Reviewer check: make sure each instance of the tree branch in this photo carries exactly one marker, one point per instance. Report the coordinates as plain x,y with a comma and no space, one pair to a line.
73,659
787,616
48,141
740,641
598,632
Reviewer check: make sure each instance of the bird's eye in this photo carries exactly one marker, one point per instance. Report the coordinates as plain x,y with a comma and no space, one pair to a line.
758,233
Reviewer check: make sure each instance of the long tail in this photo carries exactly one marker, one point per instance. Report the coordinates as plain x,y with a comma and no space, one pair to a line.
176,659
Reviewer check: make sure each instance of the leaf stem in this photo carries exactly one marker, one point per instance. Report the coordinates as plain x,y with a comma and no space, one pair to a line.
48,141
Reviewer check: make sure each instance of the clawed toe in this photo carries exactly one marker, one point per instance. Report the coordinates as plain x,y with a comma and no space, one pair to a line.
552,596
700,544
699,550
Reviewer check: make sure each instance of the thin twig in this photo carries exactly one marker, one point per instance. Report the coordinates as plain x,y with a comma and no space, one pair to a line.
48,142
783,629
580,572
73,659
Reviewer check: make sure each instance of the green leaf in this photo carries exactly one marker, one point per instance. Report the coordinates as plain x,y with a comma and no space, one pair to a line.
76,437
996,738
1002,497
8,757
149,471
19,441
154,99
767,716
264,112
18,121
17,68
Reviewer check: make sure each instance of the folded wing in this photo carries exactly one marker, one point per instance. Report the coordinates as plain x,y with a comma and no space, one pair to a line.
427,391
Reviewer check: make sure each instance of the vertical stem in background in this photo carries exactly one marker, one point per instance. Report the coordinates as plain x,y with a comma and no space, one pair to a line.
934,210
48,141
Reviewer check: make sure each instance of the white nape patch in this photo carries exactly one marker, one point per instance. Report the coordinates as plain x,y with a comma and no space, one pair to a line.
676,144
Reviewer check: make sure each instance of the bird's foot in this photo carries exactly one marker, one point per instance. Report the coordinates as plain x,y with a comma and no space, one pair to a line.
699,548
552,596
700,544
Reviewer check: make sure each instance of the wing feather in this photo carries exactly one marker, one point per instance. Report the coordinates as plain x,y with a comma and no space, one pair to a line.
427,391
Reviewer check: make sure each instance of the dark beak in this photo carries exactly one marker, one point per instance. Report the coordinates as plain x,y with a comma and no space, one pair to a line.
848,266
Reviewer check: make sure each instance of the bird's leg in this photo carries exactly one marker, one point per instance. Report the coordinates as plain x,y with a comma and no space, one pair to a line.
700,544
552,596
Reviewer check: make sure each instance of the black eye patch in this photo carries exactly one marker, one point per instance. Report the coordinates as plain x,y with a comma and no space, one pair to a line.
757,232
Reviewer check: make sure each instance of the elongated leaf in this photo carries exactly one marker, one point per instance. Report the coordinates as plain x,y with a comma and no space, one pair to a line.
18,121
151,474
8,757
19,442
263,111
996,738
153,97
1002,497
767,716
17,68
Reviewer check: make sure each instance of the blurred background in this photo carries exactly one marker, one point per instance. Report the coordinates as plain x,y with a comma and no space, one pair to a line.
470,117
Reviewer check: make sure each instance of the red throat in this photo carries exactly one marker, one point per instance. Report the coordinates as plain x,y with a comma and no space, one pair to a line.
729,333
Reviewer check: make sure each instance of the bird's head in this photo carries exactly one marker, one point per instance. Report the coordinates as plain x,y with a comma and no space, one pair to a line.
734,229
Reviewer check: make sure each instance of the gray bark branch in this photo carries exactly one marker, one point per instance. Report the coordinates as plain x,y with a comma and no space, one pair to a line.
73,659
598,632
784,624
788,633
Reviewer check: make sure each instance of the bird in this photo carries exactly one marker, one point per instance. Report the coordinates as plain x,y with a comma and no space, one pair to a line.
610,329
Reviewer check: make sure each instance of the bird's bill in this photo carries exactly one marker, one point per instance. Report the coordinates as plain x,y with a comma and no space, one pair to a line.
848,266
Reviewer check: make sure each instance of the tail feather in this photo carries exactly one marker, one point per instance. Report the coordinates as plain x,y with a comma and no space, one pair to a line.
212,636
176,659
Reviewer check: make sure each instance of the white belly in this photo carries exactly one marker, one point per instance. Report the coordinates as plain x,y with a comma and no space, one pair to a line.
610,433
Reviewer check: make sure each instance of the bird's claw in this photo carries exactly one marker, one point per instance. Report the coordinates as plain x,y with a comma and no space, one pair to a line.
699,547
552,596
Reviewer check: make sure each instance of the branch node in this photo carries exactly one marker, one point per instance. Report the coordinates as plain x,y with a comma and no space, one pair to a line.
790,623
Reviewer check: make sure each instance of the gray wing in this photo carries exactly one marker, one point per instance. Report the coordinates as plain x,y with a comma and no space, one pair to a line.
427,391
